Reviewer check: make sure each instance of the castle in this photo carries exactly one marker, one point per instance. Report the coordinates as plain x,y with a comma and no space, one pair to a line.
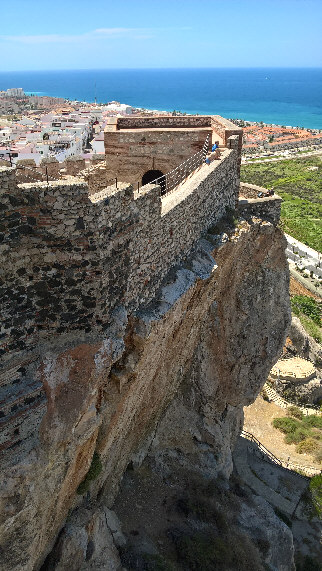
78,260
70,258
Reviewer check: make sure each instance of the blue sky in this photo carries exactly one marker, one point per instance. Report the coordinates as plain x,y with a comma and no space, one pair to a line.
79,34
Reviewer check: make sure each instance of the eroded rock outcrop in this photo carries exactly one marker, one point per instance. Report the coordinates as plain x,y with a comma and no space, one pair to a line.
169,380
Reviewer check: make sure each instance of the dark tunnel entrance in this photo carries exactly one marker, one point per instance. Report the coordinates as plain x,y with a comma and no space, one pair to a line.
150,176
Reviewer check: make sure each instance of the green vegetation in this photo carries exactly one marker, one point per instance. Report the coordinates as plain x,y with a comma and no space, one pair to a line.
295,411
308,306
228,222
264,394
304,431
311,328
299,183
312,498
94,470
316,492
309,312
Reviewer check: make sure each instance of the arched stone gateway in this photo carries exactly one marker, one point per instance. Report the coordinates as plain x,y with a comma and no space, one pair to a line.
152,175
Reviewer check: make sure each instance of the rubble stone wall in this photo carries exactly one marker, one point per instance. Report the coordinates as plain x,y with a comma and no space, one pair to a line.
173,121
74,165
69,259
96,177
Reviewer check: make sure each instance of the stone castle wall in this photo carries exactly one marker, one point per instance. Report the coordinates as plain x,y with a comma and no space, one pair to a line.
130,154
70,259
136,145
28,171
266,207
164,122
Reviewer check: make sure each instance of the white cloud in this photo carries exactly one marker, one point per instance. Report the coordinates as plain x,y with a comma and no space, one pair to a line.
41,39
100,33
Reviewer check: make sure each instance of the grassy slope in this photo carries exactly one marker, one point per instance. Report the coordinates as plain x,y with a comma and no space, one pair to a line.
301,189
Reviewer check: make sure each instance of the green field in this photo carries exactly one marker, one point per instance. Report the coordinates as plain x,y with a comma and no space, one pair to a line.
299,183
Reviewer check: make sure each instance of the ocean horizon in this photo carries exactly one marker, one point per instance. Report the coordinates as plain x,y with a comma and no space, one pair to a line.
284,96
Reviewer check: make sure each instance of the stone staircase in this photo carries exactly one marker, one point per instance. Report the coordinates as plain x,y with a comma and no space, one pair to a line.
277,399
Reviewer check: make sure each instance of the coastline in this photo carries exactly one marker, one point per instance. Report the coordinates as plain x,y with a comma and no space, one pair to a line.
244,93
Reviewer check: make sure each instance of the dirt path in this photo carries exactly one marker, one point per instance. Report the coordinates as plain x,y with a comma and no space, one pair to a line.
299,289
258,421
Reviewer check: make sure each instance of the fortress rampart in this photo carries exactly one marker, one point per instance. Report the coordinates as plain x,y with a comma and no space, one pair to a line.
70,259
113,300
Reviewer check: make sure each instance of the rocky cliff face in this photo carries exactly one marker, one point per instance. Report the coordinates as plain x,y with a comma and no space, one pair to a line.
169,381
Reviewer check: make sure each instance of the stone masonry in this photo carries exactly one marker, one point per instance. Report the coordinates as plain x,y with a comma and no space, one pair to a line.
135,146
70,259
112,298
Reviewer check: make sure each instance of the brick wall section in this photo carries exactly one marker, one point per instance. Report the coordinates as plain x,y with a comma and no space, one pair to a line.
50,165
130,154
135,145
267,208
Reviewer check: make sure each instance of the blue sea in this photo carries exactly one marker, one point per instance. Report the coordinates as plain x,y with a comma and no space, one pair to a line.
282,96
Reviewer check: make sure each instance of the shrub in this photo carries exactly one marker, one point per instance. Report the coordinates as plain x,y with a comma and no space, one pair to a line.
231,216
313,420
311,328
318,453
195,506
264,394
294,411
307,446
306,433
286,425
199,550
94,470
298,435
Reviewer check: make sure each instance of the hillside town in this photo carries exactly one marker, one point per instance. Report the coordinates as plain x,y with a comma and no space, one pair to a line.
35,127
261,139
